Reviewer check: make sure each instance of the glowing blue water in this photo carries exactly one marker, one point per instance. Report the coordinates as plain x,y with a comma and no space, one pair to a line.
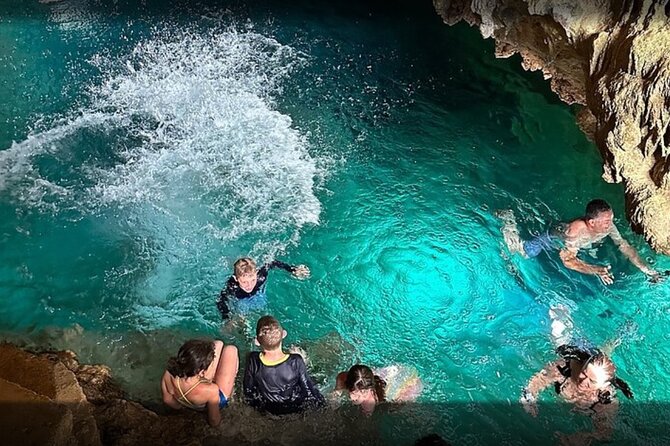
144,152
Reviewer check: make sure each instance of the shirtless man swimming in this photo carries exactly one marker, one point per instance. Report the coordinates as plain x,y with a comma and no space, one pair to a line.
596,224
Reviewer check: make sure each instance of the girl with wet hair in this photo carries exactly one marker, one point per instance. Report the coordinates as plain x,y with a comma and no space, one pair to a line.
367,388
201,377
194,356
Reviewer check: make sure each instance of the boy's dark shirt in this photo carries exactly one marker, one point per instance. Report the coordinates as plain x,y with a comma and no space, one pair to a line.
280,389
233,290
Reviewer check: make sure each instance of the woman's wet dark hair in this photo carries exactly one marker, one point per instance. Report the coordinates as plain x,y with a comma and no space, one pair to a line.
193,357
595,357
360,377
624,387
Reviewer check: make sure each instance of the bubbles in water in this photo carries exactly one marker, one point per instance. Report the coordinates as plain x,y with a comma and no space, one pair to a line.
180,144
199,124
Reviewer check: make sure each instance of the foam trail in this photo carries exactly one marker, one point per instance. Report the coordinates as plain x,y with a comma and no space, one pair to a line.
20,179
180,141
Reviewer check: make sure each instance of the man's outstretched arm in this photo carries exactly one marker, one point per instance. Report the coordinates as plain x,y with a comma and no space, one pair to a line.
631,253
571,261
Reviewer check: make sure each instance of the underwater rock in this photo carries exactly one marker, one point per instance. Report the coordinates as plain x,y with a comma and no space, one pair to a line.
611,57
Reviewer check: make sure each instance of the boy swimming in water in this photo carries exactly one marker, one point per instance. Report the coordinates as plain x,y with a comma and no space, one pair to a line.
248,282
596,225
275,381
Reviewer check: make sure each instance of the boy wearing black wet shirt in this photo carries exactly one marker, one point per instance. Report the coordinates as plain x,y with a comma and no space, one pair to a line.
246,281
275,381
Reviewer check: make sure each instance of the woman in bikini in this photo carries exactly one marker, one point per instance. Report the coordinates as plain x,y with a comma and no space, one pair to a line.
201,376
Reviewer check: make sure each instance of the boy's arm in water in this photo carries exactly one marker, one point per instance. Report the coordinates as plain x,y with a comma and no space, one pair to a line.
312,395
300,271
251,395
631,253
227,293
540,381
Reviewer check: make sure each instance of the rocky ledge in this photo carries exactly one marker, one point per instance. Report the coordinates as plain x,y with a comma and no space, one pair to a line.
613,58
51,399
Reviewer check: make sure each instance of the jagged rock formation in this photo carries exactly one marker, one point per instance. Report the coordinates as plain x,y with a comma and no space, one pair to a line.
612,57
42,402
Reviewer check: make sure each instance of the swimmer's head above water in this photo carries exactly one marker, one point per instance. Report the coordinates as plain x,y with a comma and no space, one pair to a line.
599,216
365,388
269,333
245,273
593,370
596,372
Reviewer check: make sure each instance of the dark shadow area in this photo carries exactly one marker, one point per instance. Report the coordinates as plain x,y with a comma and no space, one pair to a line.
121,422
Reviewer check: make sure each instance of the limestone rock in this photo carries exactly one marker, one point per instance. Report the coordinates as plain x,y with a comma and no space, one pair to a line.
611,57
42,401
32,419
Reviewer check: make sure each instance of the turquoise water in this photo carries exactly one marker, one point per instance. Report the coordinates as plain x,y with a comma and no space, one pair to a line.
143,151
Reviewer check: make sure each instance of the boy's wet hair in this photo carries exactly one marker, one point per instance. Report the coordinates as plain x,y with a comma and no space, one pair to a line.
595,207
193,357
244,266
269,333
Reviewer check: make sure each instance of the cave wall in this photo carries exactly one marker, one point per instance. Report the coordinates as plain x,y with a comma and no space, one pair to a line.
611,57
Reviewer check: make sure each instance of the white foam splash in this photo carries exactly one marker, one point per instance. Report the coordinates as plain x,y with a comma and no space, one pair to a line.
202,108
20,179
182,139
216,138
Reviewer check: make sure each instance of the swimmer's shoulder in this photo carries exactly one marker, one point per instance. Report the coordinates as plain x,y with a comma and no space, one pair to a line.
575,228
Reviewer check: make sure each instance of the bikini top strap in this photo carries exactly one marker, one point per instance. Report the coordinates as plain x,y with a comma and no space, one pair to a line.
558,386
183,394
